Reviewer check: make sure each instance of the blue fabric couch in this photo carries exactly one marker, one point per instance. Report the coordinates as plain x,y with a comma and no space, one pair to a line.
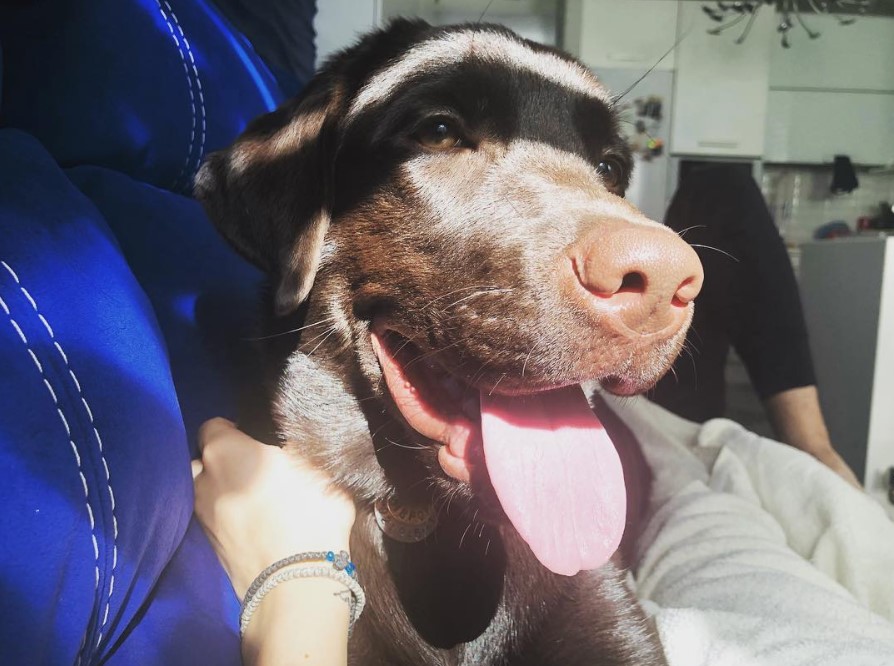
124,321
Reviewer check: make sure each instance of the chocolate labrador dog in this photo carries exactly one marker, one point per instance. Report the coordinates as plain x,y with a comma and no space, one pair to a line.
441,215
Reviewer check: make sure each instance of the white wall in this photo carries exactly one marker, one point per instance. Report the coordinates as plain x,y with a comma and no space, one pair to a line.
532,19
339,22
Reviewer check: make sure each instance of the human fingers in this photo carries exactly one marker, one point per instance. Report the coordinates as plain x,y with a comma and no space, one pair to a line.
224,448
214,430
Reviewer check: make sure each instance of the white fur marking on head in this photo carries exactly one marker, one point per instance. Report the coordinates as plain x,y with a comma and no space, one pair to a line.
328,251
482,45
291,138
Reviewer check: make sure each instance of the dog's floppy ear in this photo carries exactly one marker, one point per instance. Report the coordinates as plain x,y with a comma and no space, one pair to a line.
269,193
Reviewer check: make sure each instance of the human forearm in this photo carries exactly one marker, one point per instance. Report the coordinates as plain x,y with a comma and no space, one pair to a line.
260,504
797,419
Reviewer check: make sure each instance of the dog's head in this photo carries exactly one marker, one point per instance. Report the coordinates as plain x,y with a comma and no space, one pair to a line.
449,202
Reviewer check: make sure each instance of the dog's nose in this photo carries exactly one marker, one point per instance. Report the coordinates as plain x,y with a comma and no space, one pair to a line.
641,276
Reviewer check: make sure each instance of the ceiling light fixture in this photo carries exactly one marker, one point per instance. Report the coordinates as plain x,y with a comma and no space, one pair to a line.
731,14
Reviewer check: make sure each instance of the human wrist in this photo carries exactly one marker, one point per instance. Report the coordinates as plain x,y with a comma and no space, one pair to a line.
332,563
335,566
300,598
253,558
306,613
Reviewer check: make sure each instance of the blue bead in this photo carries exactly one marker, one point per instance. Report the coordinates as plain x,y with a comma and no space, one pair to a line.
330,556
350,568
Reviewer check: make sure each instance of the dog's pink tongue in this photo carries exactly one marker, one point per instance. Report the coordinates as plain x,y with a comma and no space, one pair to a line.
557,476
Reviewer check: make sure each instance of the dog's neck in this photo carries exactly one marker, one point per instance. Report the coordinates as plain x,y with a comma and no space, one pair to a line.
441,596
468,594
445,599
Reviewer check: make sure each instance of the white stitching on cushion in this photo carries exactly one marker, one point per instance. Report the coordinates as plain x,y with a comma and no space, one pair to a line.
74,447
192,98
201,93
105,465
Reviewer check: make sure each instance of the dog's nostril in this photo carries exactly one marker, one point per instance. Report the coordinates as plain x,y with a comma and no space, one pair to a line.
633,283
687,291
643,277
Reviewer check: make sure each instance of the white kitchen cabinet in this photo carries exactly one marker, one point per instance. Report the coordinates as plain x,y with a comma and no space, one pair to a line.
858,57
812,126
633,34
833,95
847,287
720,91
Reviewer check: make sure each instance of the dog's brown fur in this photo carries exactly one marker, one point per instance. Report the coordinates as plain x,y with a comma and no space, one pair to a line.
457,252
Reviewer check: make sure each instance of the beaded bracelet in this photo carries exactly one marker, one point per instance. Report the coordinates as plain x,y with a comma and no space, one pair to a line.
341,570
339,561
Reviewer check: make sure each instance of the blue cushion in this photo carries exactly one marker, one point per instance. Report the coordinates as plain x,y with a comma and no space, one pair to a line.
147,87
97,492
203,293
193,616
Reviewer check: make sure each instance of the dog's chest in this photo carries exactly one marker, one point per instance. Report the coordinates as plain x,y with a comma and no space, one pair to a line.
441,603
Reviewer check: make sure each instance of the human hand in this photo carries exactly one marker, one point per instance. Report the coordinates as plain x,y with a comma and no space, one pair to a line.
260,504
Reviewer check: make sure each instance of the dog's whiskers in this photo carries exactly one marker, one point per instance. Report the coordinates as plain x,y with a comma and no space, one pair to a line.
453,493
486,8
402,346
391,442
455,291
325,320
528,358
429,354
375,432
325,332
673,371
497,383
325,336
716,249
482,292
687,229
463,537
688,348
512,205
690,341
480,372
618,98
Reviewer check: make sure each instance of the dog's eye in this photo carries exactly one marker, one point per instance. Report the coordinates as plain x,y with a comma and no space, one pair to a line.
612,173
439,134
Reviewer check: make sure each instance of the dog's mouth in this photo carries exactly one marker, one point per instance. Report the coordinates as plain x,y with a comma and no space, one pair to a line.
550,461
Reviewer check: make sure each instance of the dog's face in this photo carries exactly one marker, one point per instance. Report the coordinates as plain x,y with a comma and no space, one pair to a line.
449,202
